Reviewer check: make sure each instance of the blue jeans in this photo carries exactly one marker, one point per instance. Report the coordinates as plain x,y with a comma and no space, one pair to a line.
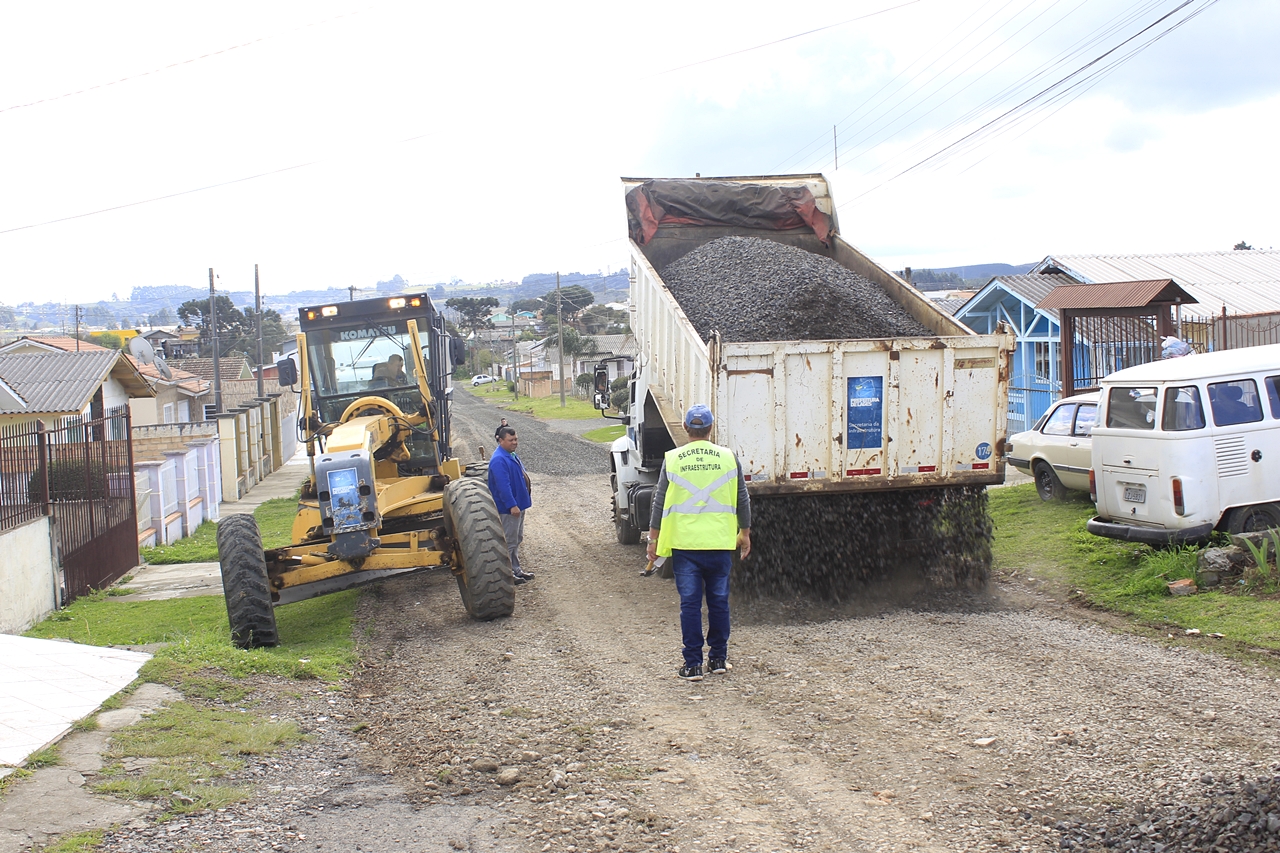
695,572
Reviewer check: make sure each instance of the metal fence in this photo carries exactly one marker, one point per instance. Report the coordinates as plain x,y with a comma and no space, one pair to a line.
1026,405
80,473
1232,331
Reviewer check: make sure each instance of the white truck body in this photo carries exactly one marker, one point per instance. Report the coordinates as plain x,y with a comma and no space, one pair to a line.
812,415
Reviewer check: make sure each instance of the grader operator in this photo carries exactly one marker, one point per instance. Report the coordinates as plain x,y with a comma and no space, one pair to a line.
384,497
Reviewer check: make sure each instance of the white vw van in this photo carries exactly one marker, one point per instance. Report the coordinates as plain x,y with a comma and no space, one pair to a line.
1188,445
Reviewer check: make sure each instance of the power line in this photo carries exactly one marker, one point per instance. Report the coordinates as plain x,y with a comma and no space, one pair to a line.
779,41
180,63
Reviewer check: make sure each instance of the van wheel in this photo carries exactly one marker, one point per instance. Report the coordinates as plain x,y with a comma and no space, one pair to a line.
1048,485
1253,519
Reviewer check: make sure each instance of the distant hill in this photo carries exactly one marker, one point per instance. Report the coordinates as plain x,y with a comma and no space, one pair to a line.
956,278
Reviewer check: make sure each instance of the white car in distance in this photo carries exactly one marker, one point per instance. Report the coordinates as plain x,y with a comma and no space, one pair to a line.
1058,450
482,379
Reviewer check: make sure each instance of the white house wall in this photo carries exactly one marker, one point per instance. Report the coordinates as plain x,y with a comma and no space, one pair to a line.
27,576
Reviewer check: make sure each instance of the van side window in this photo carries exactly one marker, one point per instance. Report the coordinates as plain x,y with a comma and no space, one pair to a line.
1273,392
1235,402
1086,417
1059,422
1131,408
1182,409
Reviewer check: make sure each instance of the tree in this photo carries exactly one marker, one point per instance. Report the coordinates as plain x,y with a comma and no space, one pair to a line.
163,317
1242,246
601,319
233,327
532,305
473,313
576,344
573,299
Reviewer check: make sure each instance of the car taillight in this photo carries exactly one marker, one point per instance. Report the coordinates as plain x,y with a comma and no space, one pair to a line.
1093,486
1179,505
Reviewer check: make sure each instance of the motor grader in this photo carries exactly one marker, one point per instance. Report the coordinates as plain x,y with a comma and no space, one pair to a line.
384,498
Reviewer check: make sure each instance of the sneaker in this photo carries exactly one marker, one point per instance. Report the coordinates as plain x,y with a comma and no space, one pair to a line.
718,666
521,575
519,579
691,673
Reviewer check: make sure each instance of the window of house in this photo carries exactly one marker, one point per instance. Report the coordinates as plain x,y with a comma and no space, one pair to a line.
1043,360
168,413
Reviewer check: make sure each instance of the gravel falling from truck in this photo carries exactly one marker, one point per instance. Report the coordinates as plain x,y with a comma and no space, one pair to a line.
831,546
753,289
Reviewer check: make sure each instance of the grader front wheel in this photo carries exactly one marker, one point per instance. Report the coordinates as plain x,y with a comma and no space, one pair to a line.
485,582
244,583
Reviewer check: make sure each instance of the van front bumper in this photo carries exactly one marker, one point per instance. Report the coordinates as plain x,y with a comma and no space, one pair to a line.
1149,535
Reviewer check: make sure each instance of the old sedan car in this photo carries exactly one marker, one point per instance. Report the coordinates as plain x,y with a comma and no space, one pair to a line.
482,379
1057,450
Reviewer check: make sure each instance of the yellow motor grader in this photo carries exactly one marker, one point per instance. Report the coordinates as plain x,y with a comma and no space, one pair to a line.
384,497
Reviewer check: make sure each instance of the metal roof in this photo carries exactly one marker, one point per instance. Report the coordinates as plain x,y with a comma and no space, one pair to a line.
1030,288
1116,294
1244,282
65,382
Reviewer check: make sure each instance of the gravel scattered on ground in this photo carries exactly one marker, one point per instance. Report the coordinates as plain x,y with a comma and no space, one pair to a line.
970,722
753,289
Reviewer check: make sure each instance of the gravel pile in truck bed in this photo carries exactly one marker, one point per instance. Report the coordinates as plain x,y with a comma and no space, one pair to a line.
752,289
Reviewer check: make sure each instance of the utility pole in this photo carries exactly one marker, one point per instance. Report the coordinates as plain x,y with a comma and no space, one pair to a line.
77,328
560,336
352,290
515,355
213,339
257,307
835,146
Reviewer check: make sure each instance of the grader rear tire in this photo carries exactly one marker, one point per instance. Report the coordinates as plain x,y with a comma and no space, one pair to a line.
487,587
244,583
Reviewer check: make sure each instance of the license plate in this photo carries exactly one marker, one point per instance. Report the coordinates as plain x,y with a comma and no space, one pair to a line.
1135,494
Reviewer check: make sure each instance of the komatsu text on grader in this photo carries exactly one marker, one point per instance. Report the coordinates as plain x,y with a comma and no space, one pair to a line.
384,497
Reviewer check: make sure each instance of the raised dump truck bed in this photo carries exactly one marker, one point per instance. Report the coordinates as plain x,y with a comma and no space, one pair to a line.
804,415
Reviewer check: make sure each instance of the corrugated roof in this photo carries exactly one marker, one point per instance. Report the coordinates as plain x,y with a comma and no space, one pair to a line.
1115,294
56,382
53,342
188,382
1245,282
231,367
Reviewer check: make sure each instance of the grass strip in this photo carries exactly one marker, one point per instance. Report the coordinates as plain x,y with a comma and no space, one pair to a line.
275,521
189,749
1049,541
605,435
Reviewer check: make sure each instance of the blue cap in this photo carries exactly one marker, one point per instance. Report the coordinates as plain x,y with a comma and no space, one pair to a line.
698,417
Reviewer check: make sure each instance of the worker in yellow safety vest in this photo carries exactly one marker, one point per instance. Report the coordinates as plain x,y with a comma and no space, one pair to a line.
701,513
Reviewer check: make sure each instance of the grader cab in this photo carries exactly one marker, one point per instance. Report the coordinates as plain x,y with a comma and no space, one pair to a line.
385,497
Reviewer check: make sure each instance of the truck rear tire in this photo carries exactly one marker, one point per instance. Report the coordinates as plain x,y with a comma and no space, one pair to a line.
1253,519
485,582
244,583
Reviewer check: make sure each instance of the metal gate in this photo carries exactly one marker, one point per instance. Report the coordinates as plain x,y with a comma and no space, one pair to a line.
87,466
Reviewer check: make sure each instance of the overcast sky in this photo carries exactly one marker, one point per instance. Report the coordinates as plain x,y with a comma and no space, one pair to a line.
485,141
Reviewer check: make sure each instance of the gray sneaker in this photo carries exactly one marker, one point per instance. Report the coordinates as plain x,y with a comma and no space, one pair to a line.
717,666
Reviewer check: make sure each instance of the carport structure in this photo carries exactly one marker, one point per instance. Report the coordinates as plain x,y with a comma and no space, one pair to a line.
1109,326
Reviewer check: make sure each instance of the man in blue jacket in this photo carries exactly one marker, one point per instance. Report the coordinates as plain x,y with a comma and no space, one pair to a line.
510,488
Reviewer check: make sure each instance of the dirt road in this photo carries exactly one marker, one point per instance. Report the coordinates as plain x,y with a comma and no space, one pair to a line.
973,723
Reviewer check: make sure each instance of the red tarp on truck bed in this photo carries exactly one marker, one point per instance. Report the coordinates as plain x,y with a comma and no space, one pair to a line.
745,205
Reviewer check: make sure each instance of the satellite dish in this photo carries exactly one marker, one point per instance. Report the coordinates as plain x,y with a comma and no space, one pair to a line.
163,368
141,349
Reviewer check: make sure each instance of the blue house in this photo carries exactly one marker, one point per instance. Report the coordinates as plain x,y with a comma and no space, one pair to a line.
1012,299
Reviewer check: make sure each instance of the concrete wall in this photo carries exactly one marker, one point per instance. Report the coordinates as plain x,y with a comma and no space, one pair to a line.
178,492
152,442
27,576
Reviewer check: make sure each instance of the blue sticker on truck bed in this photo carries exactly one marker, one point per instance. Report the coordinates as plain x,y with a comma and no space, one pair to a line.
866,413
983,451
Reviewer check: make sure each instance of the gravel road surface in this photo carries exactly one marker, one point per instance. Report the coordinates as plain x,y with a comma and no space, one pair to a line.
975,722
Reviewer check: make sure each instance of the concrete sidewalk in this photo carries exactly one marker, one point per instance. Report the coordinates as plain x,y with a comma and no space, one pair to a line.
46,685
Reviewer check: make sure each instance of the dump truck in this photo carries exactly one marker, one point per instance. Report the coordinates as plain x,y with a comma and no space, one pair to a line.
384,497
891,429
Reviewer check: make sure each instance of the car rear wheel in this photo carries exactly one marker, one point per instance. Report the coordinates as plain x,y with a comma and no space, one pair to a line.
1253,519
1048,485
